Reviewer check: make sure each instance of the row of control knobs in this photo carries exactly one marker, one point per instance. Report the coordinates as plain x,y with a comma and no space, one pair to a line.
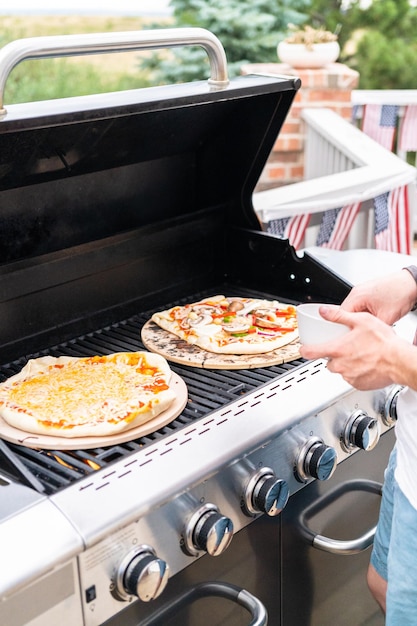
144,575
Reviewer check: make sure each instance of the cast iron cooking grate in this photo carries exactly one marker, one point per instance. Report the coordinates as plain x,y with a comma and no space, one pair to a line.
49,471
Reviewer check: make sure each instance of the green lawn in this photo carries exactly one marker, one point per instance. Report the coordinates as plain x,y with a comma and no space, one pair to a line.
44,79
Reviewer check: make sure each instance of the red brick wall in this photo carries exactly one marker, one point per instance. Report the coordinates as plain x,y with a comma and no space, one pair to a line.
329,87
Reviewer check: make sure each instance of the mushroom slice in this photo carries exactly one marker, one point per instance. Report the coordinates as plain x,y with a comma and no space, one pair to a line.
235,305
265,323
201,320
237,325
204,309
265,318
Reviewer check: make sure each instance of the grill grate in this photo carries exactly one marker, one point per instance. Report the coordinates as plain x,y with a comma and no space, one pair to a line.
208,390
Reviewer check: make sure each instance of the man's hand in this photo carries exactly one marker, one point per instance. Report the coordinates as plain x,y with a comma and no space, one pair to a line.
388,298
369,356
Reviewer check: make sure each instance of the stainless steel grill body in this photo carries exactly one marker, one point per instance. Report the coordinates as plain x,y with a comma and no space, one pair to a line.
112,207
147,497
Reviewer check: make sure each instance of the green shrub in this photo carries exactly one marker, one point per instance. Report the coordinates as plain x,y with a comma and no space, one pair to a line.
385,63
248,29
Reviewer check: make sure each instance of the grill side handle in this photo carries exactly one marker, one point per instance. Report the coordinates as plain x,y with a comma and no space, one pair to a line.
328,544
98,43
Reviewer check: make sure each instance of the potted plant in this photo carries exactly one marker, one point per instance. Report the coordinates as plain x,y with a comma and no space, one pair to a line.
308,47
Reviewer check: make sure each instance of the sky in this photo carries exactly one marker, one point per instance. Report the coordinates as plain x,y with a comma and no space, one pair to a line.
84,7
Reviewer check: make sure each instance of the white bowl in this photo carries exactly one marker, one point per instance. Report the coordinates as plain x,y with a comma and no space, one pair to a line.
313,328
297,55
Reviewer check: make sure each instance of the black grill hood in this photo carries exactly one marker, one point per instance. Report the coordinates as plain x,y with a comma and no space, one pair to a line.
115,203
110,163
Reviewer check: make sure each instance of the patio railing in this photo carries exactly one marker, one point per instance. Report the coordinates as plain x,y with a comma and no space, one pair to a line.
342,166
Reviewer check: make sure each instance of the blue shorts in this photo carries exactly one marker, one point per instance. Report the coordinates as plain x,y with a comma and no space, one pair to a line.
394,554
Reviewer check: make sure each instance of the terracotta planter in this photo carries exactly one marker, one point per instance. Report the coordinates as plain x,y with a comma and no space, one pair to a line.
299,56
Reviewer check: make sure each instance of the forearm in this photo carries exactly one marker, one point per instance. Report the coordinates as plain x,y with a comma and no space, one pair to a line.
401,363
388,298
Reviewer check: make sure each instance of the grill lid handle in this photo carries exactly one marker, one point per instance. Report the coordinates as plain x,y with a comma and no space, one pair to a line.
98,43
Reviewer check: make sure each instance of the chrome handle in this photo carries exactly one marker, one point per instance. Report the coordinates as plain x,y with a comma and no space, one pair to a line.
94,43
335,546
254,606
353,546
236,594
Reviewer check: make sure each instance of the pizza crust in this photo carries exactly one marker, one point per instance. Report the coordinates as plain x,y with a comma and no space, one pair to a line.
177,350
87,397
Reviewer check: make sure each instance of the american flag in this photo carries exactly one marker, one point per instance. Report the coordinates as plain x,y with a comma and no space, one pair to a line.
335,226
379,122
291,228
408,133
356,112
392,221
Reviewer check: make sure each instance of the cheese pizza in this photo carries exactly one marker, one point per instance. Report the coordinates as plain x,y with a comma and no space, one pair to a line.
232,325
84,397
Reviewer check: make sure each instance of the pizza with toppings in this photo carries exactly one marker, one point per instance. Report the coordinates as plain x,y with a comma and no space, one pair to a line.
232,325
86,397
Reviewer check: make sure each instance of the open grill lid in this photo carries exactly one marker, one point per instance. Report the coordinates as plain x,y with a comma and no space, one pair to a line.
115,203
80,169
90,173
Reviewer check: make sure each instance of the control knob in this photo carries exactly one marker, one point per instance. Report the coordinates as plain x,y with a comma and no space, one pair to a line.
316,460
389,412
265,493
142,574
208,530
361,431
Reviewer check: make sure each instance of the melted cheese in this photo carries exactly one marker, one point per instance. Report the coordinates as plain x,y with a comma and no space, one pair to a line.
63,393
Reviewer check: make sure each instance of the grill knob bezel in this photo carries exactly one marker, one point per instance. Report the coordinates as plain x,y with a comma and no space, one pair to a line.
141,574
361,431
315,460
389,410
208,531
265,493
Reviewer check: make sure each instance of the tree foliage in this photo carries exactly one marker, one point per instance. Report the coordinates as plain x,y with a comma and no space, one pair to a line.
385,63
386,49
248,29
379,40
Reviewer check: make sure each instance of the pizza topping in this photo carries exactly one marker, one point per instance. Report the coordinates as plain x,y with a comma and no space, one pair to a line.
232,325
237,324
264,321
268,318
235,305
199,320
223,314
204,309
265,332
98,395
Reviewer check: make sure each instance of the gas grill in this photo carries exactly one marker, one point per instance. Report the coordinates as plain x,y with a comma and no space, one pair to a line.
112,207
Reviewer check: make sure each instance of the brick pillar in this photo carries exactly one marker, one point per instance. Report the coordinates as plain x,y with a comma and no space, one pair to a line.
329,87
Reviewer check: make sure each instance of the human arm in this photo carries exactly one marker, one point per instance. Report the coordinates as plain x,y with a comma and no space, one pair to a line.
389,298
371,355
